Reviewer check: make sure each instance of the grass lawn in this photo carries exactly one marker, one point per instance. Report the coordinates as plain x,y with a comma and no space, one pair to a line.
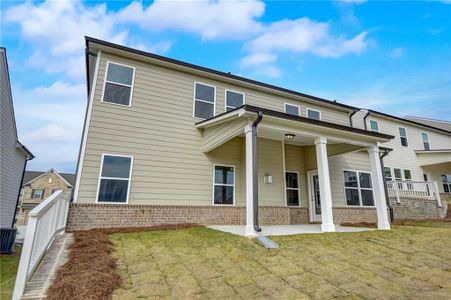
404,263
8,270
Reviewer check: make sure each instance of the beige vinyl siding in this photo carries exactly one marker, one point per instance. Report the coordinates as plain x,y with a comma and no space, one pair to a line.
214,135
12,159
436,171
270,161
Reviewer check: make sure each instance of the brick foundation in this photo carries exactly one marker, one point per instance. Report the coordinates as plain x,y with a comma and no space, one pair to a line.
418,209
89,216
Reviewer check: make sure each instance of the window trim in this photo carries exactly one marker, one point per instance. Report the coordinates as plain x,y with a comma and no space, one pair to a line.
105,82
427,137
41,194
445,182
287,188
222,184
225,97
369,125
294,105
358,188
194,100
307,109
114,178
391,174
400,136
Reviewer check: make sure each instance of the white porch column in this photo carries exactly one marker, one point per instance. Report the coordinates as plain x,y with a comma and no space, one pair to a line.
324,185
249,231
379,193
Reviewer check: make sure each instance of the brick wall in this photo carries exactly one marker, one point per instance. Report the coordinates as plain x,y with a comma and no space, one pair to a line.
418,209
88,216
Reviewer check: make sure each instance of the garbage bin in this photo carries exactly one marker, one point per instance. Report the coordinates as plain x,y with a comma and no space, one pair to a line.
7,238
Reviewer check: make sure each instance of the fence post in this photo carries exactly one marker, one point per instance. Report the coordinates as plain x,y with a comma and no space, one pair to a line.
437,193
398,200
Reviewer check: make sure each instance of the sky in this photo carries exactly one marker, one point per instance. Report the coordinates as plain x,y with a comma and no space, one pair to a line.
393,57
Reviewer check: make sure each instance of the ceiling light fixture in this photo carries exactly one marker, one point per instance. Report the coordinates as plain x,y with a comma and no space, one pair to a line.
289,136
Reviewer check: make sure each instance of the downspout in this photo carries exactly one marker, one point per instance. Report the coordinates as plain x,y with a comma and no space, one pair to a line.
364,120
255,169
354,111
392,215
20,188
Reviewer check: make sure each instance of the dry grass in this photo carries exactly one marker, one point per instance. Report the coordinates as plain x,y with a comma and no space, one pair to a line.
408,262
90,272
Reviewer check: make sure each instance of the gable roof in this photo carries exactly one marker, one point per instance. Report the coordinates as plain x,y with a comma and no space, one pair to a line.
31,176
445,125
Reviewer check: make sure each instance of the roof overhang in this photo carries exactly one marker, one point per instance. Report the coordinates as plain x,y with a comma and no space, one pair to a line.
275,125
25,150
433,157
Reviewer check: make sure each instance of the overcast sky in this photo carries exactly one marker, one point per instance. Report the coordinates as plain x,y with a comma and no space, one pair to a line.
389,56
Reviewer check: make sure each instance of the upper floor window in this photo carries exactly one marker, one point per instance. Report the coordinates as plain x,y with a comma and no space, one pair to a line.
403,136
446,180
118,84
374,126
37,193
425,138
292,188
233,100
204,100
292,109
224,185
115,175
313,114
358,188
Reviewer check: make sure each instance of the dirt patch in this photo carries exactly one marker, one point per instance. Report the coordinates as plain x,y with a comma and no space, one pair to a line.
359,224
90,272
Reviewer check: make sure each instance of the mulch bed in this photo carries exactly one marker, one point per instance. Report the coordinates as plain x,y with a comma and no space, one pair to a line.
90,273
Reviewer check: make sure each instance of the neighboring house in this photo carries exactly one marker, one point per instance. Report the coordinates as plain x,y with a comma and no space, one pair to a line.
166,141
14,155
38,186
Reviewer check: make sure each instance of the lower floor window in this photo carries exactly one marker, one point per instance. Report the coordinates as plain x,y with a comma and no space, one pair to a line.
446,180
115,174
358,188
224,185
292,188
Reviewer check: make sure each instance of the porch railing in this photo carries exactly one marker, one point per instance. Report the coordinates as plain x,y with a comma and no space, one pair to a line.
414,189
45,221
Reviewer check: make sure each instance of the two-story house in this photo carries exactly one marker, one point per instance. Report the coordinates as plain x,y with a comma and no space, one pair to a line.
37,186
166,141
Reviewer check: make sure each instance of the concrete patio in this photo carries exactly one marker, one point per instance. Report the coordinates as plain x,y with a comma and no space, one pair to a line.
280,230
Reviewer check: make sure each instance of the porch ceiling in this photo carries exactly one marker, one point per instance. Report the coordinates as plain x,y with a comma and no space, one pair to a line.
275,125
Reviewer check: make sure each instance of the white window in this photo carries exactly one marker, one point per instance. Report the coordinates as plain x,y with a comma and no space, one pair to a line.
37,193
313,114
292,188
233,99
403,136
374,126
425,138
387,174
204,100
446,180
114,179
118,86
292,109
358,188
224,185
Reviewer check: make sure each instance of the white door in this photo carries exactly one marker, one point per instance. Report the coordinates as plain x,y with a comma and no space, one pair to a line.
315,200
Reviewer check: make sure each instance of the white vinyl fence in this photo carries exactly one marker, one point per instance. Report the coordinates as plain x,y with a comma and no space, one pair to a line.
414,190
44,222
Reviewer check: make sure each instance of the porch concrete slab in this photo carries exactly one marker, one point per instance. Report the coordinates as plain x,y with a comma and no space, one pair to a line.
278,230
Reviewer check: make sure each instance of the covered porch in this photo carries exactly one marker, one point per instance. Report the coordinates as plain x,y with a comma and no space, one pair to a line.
319,141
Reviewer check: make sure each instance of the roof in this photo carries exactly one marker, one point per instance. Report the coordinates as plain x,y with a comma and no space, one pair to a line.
409,121
278,114
90,40
32,175
445,125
